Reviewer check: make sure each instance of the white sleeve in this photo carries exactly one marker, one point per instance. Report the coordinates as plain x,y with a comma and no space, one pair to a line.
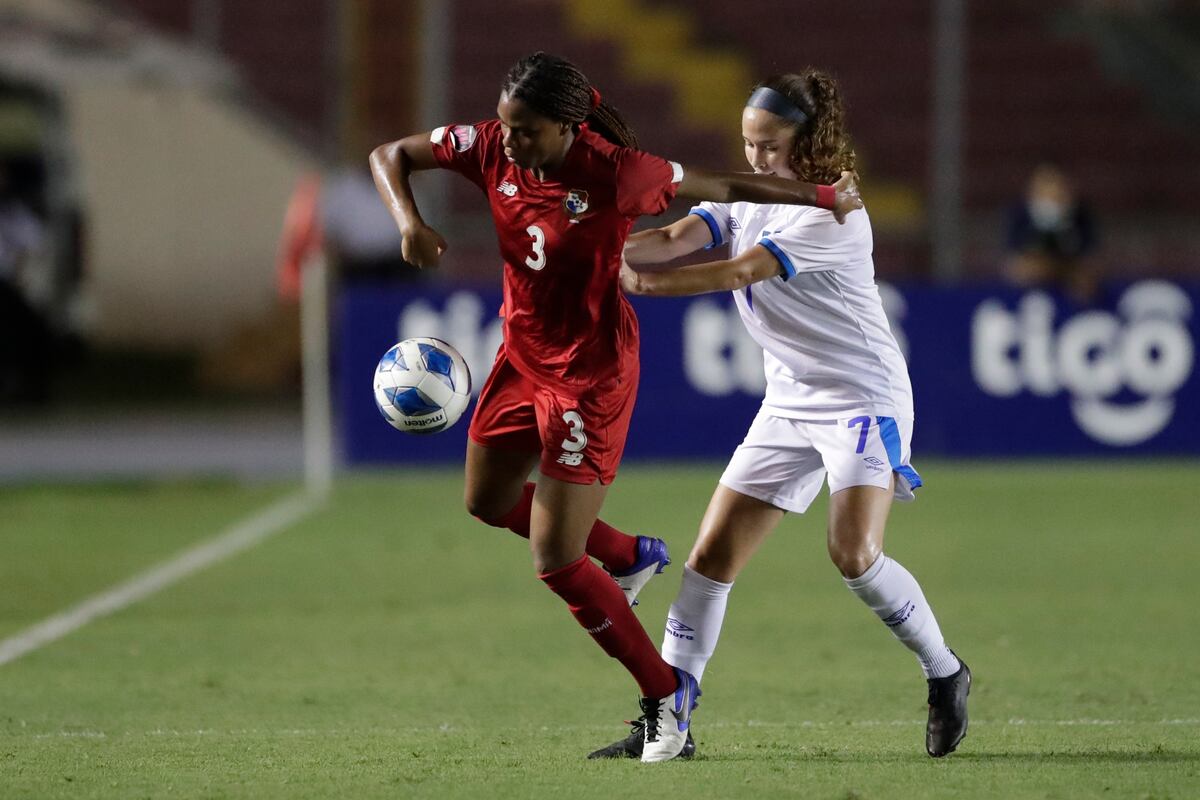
716,216
817,243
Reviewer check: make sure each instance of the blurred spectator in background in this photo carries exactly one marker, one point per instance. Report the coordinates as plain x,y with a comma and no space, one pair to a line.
336,216
1051,238
26,339
340,216
361,240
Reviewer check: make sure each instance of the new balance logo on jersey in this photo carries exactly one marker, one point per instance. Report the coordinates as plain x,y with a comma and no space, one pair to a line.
507,189
679,630
571,459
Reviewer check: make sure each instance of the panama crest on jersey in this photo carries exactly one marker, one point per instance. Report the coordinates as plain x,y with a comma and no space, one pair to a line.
576,203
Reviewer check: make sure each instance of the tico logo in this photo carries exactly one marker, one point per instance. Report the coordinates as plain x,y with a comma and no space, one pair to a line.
1121,369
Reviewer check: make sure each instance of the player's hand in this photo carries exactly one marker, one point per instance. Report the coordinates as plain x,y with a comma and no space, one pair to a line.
846,197
630,280
422,247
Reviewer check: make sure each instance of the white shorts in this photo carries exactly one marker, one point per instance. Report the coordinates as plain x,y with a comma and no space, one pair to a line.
784,461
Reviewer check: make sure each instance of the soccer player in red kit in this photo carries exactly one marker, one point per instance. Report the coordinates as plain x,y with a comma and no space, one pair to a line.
565,183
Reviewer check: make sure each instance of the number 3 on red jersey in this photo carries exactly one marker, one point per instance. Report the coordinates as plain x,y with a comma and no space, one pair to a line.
537,261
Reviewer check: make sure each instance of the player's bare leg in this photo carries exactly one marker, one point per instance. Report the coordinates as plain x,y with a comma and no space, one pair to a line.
733,528
561,520
497,491
495,480
857,518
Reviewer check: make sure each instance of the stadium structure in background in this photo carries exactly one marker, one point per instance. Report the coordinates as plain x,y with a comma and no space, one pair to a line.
954,103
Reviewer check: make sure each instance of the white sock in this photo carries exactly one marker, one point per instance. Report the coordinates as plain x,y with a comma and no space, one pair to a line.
694,622
896,598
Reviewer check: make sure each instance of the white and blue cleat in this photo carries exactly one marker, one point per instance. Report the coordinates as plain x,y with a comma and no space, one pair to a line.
668,718
652,558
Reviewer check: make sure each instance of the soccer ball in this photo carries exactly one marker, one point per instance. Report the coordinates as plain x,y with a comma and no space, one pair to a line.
422,385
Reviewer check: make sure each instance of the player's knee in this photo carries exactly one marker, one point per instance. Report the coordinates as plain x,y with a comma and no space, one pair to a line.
549,556
712,563
852,555
483,508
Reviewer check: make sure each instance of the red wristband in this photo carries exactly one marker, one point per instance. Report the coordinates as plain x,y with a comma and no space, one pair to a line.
826,197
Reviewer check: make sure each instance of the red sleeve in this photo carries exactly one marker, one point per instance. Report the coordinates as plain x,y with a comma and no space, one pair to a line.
646,184
465,148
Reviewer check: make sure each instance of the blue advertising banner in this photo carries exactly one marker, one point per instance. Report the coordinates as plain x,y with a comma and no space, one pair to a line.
994,371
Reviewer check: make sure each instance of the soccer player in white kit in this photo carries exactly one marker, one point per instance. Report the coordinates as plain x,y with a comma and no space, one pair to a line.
838,402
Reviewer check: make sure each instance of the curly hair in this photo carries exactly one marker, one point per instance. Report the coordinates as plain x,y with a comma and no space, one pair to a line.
823,149
558,90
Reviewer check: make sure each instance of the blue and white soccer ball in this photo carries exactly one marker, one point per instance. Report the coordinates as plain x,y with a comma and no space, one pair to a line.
422,385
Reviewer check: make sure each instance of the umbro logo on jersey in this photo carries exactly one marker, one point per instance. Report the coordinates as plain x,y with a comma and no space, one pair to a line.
734,225
507,189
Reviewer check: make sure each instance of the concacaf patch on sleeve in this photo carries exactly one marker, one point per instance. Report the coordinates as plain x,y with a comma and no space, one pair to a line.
462,137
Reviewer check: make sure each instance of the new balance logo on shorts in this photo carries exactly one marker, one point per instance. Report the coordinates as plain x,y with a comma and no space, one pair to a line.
507,189
571,459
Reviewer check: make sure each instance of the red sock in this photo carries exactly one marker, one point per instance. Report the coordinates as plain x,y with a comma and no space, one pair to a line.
517,519
613,549
601,609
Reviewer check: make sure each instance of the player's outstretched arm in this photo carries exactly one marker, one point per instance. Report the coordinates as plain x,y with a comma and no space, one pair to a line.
391,164
733,187
756,264
656,245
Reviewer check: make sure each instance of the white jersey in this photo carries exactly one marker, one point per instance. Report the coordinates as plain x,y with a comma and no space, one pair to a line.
827,347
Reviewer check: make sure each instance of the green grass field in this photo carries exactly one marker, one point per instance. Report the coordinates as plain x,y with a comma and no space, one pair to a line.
389,646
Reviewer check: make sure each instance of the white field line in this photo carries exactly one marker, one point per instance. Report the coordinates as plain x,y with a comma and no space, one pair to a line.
445,728
239,537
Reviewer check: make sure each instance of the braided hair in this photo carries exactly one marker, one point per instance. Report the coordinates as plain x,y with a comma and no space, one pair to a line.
556,89
823,148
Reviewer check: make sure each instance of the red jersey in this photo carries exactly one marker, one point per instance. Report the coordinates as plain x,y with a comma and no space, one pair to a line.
567,324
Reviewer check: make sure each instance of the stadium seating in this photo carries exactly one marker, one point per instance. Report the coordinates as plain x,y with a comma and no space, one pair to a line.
1036,91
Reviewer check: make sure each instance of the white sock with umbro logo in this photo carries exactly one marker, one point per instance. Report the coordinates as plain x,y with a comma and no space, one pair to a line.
694,622
896,598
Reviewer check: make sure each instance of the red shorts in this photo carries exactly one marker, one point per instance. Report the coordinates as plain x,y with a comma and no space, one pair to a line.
580,438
